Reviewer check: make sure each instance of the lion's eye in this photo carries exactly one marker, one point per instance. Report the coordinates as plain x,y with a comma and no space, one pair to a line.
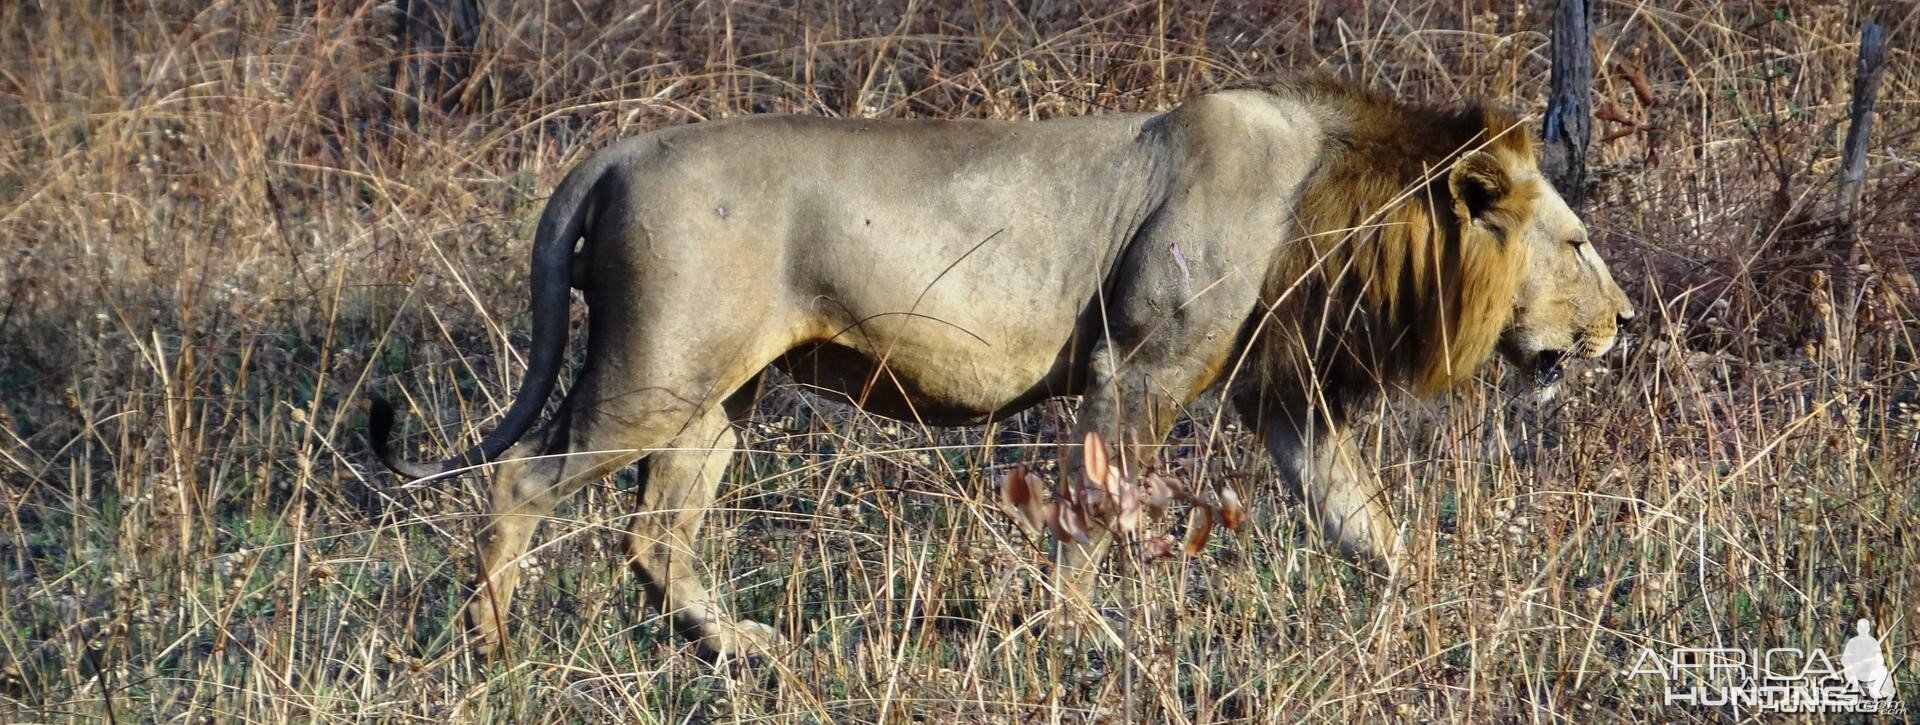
1577,242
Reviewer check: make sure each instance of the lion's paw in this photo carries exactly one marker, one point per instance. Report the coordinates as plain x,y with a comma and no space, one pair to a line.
742,639
750,637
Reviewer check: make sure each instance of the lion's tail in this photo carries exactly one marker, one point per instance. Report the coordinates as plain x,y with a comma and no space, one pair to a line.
561,224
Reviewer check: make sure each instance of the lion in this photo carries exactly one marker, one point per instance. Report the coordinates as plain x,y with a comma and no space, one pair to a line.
1299,246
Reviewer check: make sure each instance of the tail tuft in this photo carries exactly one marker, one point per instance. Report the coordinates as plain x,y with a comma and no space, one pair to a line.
380,435
380,429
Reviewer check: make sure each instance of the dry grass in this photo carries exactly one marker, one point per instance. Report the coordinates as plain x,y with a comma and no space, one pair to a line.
225,229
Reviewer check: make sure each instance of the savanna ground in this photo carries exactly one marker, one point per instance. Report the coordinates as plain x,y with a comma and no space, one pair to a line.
227,223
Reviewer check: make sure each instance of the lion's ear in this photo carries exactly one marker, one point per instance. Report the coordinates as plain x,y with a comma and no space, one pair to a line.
1478,183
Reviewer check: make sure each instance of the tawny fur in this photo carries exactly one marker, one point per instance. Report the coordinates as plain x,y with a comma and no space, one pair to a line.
949,272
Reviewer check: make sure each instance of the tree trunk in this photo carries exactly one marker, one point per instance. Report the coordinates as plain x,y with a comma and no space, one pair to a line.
1569,124
434,57
1853,172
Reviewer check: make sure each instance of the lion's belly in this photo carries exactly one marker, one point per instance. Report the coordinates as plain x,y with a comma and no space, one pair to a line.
923,369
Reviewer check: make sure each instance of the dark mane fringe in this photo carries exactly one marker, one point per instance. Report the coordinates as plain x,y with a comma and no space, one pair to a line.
1385,281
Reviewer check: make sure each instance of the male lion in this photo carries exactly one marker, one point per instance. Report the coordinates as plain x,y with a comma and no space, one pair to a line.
952,272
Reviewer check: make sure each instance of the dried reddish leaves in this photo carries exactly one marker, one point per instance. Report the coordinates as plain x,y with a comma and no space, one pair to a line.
1123,502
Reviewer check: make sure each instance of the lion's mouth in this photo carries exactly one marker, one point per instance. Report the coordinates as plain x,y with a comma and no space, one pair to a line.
1548,366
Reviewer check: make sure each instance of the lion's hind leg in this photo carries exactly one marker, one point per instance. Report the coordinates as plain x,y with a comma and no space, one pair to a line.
525,493
677,486
601,427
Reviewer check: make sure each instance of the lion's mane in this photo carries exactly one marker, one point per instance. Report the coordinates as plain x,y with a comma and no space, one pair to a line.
1389,278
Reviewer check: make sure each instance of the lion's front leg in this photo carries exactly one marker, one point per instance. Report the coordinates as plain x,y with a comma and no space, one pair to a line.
1322,468
1124,411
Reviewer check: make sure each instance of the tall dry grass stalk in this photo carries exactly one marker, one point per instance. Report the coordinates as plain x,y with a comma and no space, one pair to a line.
228,221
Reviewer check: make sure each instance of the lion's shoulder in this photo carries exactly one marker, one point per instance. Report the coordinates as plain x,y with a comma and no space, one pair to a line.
1245,135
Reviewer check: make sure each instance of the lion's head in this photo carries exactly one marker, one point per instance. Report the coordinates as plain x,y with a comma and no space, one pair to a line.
1567,304
1428,239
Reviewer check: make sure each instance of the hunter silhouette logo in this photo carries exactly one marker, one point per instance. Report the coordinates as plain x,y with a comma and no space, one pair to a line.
1864,664
1781,679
